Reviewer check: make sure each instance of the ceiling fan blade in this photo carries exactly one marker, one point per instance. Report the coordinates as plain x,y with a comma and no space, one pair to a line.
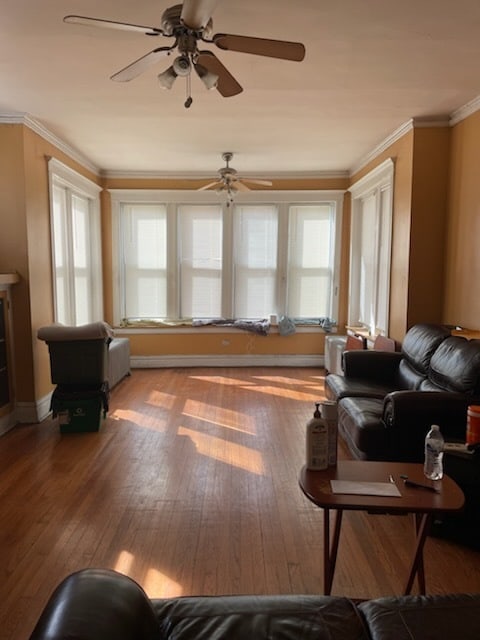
196,13
209,185
134,69
227,86
263,183
240,186
260,46
112,24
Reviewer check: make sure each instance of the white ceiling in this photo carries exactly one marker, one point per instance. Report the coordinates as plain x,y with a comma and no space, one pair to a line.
370,67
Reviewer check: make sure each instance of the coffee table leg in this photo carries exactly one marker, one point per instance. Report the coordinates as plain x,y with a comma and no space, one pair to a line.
330,552
422,523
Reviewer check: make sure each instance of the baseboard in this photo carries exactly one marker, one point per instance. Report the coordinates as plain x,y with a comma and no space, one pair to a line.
33,412
7,422
173,361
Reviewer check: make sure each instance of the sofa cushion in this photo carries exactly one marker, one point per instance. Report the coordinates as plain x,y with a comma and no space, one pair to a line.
422,617
337,387
455,366
419,345
284,616
368,374
360,424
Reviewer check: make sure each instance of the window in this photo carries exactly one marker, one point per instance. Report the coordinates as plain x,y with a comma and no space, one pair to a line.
184,254
75,225
370,249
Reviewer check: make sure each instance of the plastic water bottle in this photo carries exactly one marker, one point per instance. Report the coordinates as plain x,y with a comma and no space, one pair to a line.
434,443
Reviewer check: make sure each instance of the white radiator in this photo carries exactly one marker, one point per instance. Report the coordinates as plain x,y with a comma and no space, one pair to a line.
334,347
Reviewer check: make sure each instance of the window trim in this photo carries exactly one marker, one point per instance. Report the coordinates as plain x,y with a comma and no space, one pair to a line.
172,198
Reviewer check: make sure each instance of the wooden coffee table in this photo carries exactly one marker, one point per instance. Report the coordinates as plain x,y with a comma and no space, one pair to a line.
422,503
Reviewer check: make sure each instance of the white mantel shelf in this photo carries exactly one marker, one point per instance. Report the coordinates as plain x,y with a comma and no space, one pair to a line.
9,278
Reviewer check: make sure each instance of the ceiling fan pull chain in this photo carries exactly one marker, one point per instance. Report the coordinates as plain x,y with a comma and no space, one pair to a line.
189,100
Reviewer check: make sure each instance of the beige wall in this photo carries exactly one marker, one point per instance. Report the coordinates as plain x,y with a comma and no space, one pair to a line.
428,225
462,274
223,344
14,251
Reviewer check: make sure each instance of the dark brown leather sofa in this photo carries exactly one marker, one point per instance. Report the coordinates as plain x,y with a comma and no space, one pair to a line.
96,604
388,401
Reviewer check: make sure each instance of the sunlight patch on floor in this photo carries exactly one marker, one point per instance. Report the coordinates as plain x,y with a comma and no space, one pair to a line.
145,421
222,450
160,399
124,563
219,416
293,381
227,381
294,394
158,585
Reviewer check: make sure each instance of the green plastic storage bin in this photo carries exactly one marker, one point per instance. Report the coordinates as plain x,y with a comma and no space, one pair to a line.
79,415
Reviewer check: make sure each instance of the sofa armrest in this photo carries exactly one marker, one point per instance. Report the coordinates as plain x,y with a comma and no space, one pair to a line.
408,415
378,366
431,616
96,604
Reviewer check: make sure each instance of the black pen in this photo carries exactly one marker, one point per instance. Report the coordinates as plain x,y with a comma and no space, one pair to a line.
419,485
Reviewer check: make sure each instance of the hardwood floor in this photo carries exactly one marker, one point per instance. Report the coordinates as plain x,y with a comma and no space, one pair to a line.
190,487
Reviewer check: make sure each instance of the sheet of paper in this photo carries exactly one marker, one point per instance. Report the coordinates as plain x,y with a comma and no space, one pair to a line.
365,488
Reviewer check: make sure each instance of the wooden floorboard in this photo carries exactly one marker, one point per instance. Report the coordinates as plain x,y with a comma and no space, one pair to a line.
190,487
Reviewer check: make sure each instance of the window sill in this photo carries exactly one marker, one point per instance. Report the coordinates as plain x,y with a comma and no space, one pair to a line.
189,329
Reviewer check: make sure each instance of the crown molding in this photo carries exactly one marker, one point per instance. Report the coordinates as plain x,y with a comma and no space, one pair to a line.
43,132
192,175
465,111
413,123
383,146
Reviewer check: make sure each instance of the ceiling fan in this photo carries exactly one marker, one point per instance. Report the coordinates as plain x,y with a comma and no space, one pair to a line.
189,25
230,182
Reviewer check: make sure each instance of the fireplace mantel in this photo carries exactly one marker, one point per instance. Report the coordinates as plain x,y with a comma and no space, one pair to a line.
9,277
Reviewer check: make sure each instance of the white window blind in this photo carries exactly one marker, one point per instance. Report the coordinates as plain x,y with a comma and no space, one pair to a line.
200,239
366,228
60,233
144,233
255,267
82,258
310,261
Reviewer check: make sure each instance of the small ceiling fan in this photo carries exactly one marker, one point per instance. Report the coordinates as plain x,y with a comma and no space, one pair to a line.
188,25
230,182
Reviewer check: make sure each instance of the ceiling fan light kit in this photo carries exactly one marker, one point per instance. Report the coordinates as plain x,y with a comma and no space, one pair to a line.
167,78
189,24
